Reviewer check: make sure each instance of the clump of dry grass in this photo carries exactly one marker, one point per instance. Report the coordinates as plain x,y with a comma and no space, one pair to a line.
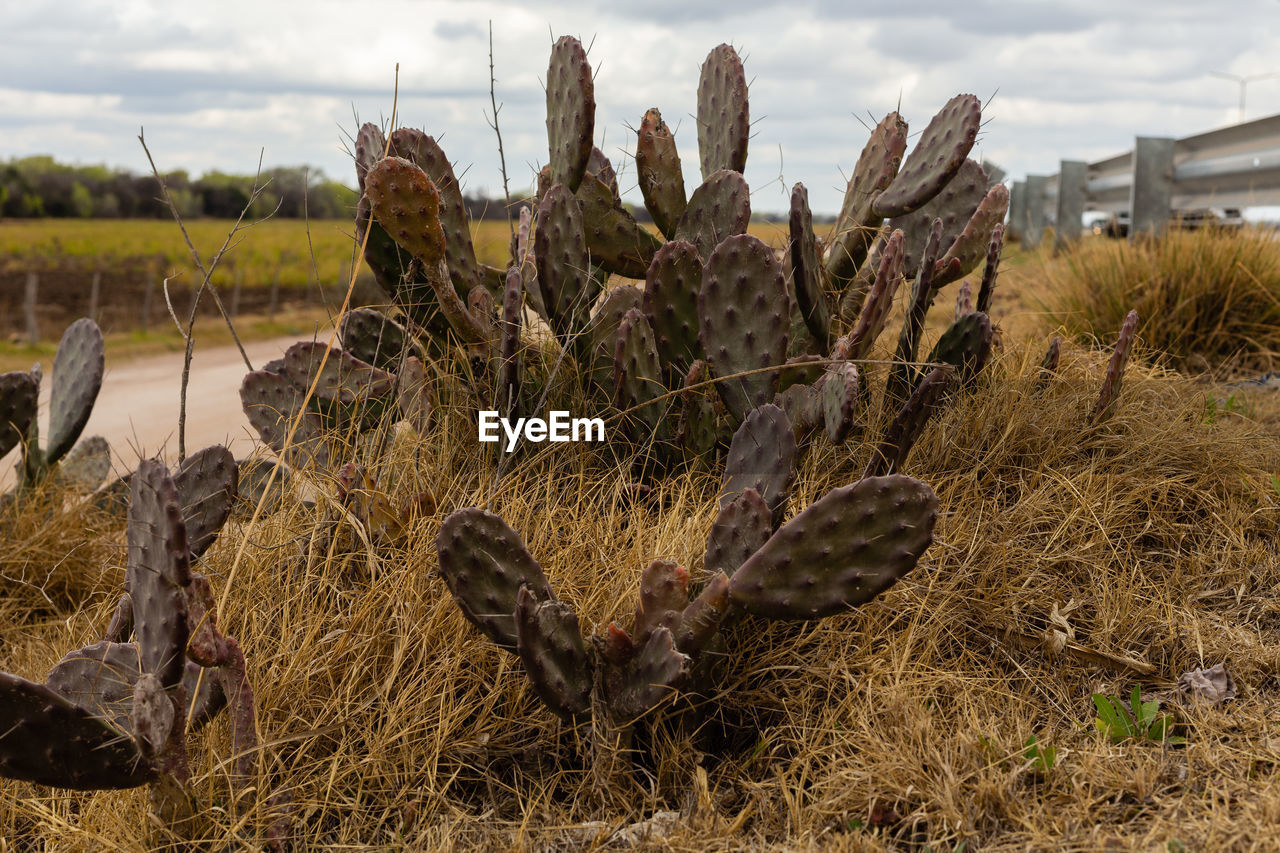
1206,298
393,724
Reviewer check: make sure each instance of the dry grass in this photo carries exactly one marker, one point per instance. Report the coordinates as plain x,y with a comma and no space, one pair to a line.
1206,299
395,725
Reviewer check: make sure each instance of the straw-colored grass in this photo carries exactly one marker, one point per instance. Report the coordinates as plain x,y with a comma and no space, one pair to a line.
395,725
1206,299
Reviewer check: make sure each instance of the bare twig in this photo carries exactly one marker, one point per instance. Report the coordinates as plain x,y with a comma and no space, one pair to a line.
502,157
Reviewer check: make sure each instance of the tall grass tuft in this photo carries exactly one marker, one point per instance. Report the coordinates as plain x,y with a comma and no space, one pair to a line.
1206,299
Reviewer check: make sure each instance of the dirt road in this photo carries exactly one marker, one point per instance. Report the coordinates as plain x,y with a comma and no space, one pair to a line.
137,409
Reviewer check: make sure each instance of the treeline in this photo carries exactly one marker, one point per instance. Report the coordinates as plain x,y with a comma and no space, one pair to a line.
35,187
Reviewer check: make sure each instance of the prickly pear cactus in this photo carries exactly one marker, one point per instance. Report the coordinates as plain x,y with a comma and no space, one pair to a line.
77,379
717,210
935,159
571,112
1115,368
671,289
19,392
660,176
741,527
806,272
638,374
724,121
762,456
550,645
858,223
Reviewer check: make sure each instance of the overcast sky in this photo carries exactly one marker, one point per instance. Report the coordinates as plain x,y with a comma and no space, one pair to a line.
213,84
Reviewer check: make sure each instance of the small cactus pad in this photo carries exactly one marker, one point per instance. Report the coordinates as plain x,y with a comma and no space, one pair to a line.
207,484
741,527
966,345
485,563
1115,368
841,551
371,145
702,618
46,739
153,714
460,255
158,571
638,372
564,269
762,456
803,405
343,378
956,205
100,679
724,121
973,243
935,159
806,272
649,679
571,112
87,465
550,645
902,374
658,170
743,318
991,270
374,338
19,393
664,594
602,333
616,242
407,205
671,290
840,401
718,209
879,301
253,485
900,436
598,166
964,299
857,225
696,429
77,378
396,273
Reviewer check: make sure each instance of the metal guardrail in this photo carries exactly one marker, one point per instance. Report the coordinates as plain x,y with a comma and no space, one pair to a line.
1235,166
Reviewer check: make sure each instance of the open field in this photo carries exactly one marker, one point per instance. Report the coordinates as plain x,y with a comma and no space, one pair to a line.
955,712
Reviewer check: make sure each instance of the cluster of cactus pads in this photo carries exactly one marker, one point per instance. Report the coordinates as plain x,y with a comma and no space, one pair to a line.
116,714
841,551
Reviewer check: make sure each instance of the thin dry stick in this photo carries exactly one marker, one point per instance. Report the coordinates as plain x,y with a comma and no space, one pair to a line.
502,158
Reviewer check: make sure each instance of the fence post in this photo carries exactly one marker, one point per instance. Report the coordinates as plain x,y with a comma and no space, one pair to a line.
1018,208
1037,186
95,288
1072,175
1151,194
29,308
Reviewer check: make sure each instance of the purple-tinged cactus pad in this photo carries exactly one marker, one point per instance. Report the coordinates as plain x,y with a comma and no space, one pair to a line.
900,436
696,429
879,301
653,672
991,270
207,483
743,318
371,145
77,378
46,739
638,373
762,456
571,112
724,120
19,396
658,169
840,401
564,267
616,242
598,166
741,527
86,465
957,204
407,205
550,645
602,334
841,551
806,271
966,345
803,406
158,572
459,253
702,618
664,594
343,378
974,242
717,210
1115,368
396,273
964,299
374,338
671,289
801,370
485,563
935,159
902,374
858,224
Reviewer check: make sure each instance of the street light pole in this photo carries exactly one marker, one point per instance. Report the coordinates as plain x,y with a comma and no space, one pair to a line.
1244,81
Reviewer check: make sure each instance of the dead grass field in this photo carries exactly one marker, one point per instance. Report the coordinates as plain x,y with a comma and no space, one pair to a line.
1070,560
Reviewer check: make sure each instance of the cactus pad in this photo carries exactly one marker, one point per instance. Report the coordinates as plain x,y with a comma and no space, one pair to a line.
374,338
343,378
762,456
935,159
407,205
1115,368
743,315
966,345
659,173
858,224
602,333
207,484
718,209
649,678
371,145
671,303
840,401
77,378
806,272
550,644
19,395
158,572
724,121
741,527
615,241
991,270
664,594
564,269
841,551
86,465
879,301
974,242
956,205
571,112
485,563
702,618
906,426
638,372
